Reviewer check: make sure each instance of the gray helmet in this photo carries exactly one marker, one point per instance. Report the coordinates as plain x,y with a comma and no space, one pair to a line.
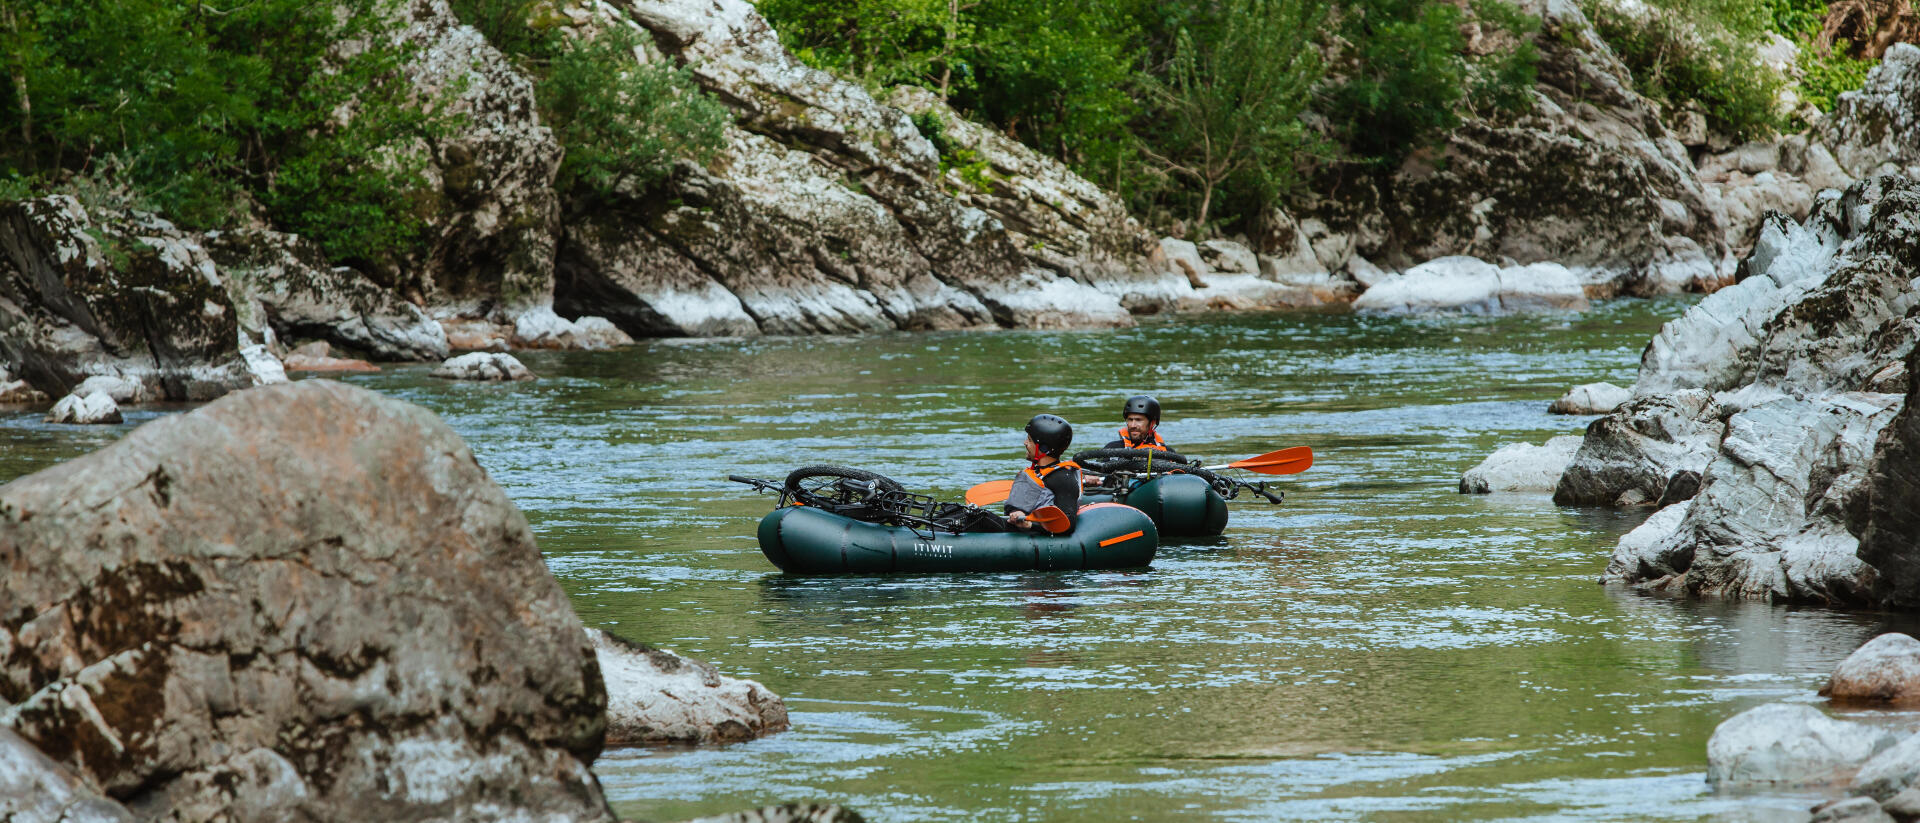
1051,432
1142,404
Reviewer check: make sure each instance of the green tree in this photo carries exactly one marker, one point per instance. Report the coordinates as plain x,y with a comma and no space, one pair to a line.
220,115
1700,51
1230,104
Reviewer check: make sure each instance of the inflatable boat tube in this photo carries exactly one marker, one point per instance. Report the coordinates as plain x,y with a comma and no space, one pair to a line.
1180,505
807,540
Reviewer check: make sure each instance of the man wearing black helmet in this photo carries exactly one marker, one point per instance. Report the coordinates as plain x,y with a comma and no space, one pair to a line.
1047,480
1142,430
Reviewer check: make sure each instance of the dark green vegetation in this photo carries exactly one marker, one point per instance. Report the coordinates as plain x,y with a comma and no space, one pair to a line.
1700,52
213,116
1201,113
221,114
622,124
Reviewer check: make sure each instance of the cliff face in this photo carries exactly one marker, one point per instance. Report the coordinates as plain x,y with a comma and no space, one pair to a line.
829,213
1589,177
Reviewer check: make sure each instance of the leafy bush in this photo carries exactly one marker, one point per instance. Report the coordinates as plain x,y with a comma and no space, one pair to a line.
622,123
1700,51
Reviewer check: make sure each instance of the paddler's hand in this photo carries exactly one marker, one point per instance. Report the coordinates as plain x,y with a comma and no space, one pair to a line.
1018,519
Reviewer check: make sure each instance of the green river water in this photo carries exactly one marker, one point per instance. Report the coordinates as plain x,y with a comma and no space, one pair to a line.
1379,647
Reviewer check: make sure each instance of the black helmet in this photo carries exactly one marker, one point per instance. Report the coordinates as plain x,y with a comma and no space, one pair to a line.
1051,432
1142,404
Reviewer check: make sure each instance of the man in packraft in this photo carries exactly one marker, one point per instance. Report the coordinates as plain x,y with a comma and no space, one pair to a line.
1047,480
1141,414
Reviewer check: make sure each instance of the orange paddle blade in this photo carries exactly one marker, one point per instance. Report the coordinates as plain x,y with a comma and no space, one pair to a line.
995,491
1051,518
1284,461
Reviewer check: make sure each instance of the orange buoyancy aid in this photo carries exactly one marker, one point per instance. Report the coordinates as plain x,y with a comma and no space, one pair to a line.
1030,490
1157,444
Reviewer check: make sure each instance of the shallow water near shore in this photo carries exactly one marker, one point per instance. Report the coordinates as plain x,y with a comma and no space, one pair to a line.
1379,647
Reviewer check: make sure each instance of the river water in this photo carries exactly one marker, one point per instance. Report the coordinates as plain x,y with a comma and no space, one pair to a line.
1379,647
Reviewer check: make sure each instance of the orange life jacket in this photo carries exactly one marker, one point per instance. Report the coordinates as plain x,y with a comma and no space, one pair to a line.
1157,444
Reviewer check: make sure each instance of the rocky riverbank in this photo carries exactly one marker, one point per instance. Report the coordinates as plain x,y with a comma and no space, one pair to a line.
1771,425
310,601
832,211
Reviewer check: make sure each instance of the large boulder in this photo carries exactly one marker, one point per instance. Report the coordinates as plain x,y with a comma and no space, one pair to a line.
130,296
655,696
1884,670
1651,451
828,212
1588,177
301,601
1769,521
1788,744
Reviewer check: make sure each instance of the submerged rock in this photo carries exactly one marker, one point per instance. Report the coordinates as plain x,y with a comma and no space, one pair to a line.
301,601
655,696
1886,669
1788,744
482,365
1591,398
1521,467
789,813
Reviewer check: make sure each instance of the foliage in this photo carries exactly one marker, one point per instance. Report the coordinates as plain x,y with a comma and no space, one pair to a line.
1700,51
623,123
1824,77
1231,107
221,115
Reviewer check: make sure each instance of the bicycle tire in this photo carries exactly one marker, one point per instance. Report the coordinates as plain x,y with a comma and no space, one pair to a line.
1103,455
795,477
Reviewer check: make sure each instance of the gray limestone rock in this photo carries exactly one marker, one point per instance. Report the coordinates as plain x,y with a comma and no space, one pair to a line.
1472,286
1521,467
294,291
655,696
301,601
82,409
1591,398
1651,451
35,789
1769,521
1789,744
1875,130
